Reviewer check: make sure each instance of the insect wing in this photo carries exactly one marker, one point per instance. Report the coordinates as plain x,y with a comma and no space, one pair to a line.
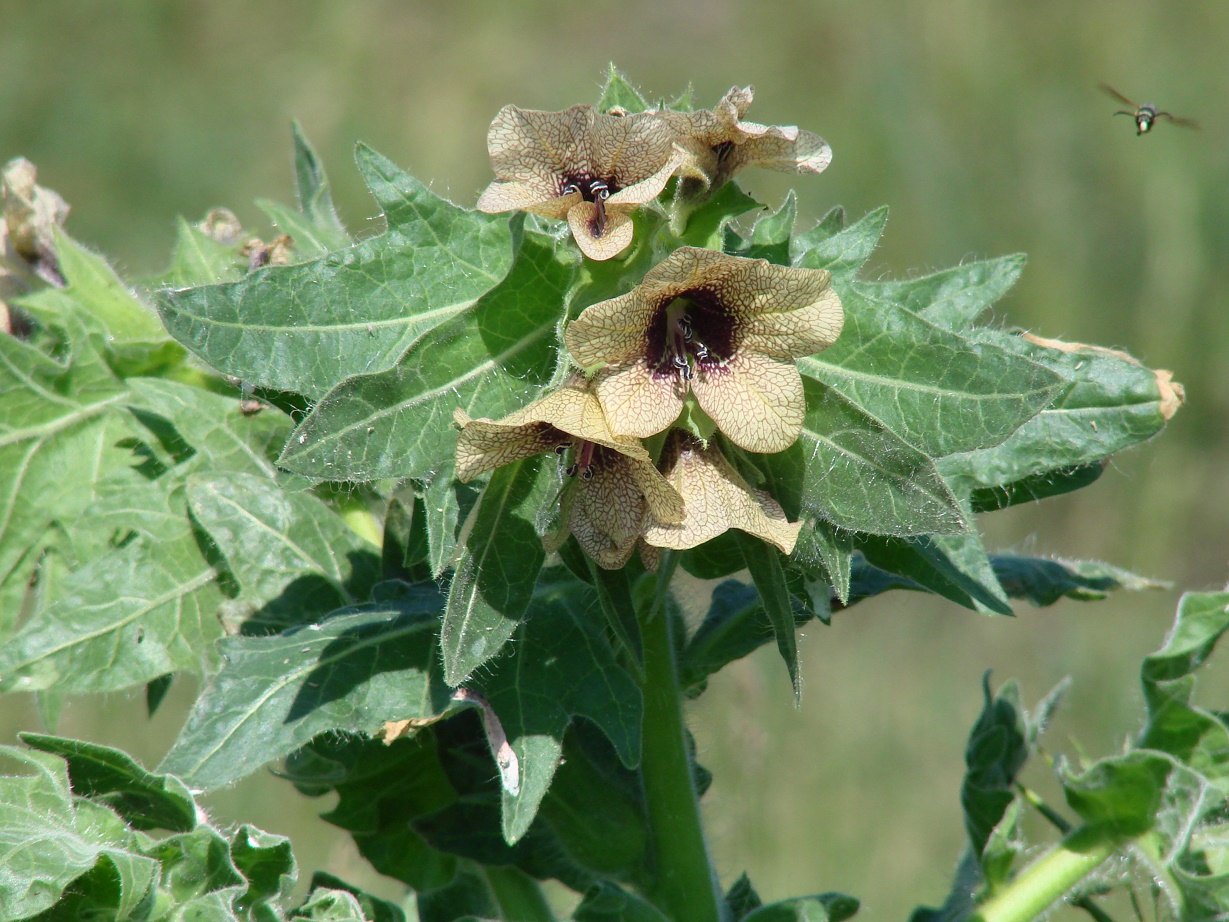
1122,99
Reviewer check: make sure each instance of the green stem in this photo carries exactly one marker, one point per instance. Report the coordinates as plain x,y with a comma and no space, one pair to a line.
1045,880
685,886
519,897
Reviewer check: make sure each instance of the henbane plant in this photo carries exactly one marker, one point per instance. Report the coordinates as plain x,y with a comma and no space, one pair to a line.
413,506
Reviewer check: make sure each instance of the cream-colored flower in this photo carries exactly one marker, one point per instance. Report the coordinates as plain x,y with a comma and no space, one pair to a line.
721,143
616,482
586,167
726,328
717,499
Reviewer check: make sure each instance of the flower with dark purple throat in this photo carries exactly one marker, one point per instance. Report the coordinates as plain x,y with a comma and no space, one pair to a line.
580,165
721,143
725,328
615,486
717,499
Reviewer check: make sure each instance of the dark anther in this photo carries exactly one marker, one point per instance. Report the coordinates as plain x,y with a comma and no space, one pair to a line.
685,326
569,189
723,150
701,352
599,190
587,474
561,449
571,470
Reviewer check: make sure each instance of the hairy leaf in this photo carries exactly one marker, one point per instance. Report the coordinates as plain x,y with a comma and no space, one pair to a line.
398,423
305,328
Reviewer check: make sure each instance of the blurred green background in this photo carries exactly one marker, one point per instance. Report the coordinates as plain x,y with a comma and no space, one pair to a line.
977,121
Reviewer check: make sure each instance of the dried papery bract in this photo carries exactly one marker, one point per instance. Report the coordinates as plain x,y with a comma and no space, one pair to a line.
580,165
721,143
726,328
717,499
616,483
31,213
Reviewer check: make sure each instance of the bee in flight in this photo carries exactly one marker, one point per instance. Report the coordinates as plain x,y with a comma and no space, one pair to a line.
1145,114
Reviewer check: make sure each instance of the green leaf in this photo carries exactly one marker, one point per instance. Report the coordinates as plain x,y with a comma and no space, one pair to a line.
1123,796
293,556
1114,403
497,569
109,776
825,907
857,475
620,92
735,625
371,909
312,190
60,422
938,391
448,503
606,901
95,287
49,840
1032,488
595,807
707,225
765,565
741,899
305,328
999,744
398,423
822,544
381,789
558,666
198,259
267,863
954,298
210,429
272,694
466,897
1197,737
126,618
953,566
842,253
770,236
198,875
1043,582
314,227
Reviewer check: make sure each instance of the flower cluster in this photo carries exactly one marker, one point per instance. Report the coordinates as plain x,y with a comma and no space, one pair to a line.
705,340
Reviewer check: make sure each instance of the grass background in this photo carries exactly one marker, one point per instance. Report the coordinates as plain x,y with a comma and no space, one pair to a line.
977,121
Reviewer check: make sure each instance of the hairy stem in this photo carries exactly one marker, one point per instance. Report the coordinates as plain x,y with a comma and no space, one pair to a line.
685,886
1048,878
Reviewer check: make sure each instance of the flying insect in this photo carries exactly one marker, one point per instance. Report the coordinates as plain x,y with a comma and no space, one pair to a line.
1145,114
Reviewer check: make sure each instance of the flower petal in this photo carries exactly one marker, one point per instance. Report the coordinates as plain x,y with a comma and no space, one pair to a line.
484,445
610,331
717,499
542,147
614,238
636,401
608,513
632,150
528,196
793,312
786,150
756,400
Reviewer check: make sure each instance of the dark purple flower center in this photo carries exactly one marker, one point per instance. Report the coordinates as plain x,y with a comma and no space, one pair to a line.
694,329
588,458
591,189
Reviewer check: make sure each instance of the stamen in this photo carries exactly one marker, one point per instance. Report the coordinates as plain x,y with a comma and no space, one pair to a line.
570,470
600,192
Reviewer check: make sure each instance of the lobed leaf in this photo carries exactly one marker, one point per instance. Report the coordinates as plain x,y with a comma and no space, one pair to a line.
398,423
272,694
953,298
497,569
305,328
940,392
